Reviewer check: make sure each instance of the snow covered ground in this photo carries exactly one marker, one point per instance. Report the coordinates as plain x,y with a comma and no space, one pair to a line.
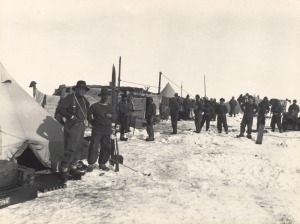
195,178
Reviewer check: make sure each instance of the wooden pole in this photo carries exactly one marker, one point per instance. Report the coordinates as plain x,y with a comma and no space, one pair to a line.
181,90
119,78
159,82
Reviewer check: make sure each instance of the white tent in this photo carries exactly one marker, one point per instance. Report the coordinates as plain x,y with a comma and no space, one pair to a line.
28,133
168,91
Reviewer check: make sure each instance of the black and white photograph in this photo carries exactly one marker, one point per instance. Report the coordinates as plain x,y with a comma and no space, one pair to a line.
149,112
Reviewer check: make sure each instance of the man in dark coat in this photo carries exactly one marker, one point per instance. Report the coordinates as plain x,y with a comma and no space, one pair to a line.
264,108
123,116
221,111
249,108
207,115
131,110
186,108
276,110
174,112
100,115
74,108
198,108
150,115
293,111
232,104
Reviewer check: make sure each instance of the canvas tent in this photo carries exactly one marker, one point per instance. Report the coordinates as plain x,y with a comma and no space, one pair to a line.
168,91
29,134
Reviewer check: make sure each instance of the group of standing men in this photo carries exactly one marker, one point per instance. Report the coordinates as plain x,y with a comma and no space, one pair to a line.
209,108
75,108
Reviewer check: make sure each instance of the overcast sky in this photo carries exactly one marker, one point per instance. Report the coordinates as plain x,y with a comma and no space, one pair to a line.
240,46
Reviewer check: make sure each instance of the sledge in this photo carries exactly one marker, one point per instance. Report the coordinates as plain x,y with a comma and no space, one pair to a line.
16,195
48,182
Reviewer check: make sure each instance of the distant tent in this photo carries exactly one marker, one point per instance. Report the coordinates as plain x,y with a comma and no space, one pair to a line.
29,134
168,91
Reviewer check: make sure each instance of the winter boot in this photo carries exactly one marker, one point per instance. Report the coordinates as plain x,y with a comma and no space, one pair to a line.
122,138
103,167
240,135
75,172
90,168
249,136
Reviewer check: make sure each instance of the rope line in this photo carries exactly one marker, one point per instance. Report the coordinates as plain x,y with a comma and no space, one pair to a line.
139,84
175,84
12,135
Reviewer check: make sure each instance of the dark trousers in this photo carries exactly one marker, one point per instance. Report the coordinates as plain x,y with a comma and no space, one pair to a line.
123,123
276,119
150,131
174,119
104,142
222,120
232,110
129,121
73,137
247,120
198,122
186,114
261,119
206,118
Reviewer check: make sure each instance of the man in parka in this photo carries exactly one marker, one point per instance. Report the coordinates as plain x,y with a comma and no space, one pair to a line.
174,112
100,115
198,108
74,108
123,116
221,111
249,108
276,110
150,115
294,110
232,104
264,108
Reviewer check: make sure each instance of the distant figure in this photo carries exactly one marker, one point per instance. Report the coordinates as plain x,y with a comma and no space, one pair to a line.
276,110
131,110
186,108
249,108
100,115
150,115
213,105
123,116
294,110
198,108
174,112
264,108
232,104
207,115
74,108
221,111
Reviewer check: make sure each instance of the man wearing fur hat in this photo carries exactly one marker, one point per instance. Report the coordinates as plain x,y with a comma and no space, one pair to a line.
74,108
100,115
